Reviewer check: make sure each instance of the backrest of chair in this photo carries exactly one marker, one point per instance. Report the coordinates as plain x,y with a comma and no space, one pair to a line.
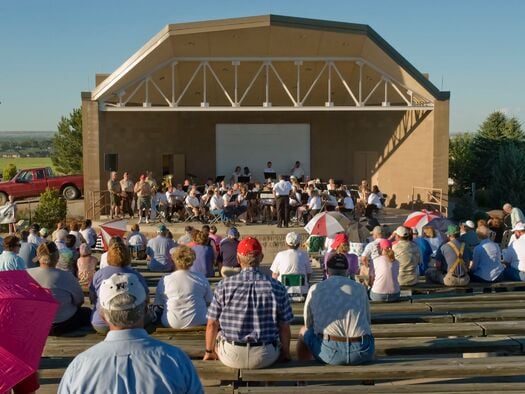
293,280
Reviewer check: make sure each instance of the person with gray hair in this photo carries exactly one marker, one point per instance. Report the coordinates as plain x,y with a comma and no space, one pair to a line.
129,360
516,215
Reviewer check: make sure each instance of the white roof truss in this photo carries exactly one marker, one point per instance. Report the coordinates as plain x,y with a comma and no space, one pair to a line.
358,97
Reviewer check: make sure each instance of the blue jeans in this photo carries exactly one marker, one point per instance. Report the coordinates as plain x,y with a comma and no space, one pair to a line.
340,353
384,297
514,274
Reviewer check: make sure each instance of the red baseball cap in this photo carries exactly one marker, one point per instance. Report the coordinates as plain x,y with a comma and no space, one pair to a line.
341,238
385,244
249,246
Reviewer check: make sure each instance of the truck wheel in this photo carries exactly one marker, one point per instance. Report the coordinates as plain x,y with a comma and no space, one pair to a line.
70,193
3,198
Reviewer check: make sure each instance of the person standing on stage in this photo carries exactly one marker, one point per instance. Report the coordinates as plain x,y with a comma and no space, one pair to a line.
281,191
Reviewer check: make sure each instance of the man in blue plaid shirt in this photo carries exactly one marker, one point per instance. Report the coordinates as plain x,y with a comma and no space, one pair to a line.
249,317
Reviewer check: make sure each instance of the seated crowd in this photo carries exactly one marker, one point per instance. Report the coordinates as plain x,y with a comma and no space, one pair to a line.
248,316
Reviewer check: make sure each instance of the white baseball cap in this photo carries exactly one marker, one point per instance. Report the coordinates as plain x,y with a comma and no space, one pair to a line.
402,231
293,239
121,283
470,224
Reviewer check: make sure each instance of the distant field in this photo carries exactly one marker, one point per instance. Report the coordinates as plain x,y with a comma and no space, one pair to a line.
26,162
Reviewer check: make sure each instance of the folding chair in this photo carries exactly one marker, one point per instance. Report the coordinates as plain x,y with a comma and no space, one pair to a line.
190,215
294,280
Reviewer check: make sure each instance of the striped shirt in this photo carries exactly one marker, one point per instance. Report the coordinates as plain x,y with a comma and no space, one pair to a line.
250,306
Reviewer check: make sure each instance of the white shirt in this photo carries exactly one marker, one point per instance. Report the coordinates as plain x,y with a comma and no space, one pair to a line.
292,261
90,235
185,296
373,198
35,239
103,260
315,203
282,188
193,202
515,254
298,172
137,239
216,203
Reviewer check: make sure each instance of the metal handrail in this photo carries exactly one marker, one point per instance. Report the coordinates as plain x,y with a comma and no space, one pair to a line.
98,203
432,198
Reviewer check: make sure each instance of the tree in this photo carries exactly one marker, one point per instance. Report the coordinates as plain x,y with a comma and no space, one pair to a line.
9,172
508,176
67,144
460,160
52,208
495,131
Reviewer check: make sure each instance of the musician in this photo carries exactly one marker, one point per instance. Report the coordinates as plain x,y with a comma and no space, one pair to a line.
242,203
281,191
297,171
236,174
193,204
268,170
329,200
312,208
346,202
331,186
143,191
126,185
217,206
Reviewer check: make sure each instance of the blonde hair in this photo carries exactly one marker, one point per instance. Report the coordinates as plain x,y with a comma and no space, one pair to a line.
118,255
183,256
388,252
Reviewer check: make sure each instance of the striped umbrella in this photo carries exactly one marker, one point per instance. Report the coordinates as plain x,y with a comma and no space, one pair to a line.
327,223
419,219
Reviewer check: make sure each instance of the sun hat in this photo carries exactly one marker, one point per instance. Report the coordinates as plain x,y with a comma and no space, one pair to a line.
519,227
121,283
249,246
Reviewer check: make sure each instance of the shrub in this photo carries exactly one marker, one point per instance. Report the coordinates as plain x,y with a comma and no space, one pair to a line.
508,176
464,208
9,171
51,209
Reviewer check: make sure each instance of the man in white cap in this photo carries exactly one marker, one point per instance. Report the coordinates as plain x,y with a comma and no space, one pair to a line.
408,255
516,215
129,360
292,261
514,255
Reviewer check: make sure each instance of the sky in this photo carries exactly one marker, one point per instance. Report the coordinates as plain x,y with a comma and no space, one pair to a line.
50,50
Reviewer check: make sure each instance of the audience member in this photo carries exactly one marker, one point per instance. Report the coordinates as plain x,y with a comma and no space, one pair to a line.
129,360
340,334
27,249
9,259
119,261
468,235
341,246
227,258
425,250
34,235
158,251
183,295
433,237
292,261
452,260
187,237
407,253
486,263
249,317
514,255
204,255
89,234
515,214
384,272
65,289
86,265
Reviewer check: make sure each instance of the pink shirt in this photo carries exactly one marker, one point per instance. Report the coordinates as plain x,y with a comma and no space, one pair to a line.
385,275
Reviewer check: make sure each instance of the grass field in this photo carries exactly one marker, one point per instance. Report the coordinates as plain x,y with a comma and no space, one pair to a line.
26,162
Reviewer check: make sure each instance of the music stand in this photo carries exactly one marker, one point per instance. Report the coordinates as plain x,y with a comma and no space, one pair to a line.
270,175
243,179
219,179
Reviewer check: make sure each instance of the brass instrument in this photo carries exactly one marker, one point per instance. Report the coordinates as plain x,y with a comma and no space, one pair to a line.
167,181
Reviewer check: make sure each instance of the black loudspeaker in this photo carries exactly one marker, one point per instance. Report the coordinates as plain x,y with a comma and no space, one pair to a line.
111,162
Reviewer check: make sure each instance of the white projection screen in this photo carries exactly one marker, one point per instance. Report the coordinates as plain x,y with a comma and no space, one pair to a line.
253,145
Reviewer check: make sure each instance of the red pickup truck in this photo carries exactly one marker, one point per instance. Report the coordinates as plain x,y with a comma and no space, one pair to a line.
32,182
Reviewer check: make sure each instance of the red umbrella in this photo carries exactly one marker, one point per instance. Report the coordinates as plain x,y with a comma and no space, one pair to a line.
26,313
420,218
327,223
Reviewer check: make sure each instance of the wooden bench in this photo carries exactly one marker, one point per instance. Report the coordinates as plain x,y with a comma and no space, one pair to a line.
385,369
